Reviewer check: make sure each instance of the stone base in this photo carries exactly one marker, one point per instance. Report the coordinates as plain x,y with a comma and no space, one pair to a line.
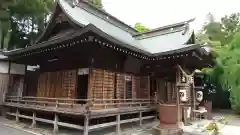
166,131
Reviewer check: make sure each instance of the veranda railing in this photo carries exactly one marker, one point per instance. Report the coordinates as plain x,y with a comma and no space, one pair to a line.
87,104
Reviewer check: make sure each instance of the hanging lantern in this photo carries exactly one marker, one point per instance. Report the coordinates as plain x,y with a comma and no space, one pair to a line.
191,80
199,96
183,95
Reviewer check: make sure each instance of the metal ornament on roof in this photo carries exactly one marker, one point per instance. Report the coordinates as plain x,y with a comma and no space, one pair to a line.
73,3
186,28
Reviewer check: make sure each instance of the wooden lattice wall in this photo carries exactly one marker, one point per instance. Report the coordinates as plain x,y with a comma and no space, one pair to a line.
57,84
102,84
120,86
144,91
111,85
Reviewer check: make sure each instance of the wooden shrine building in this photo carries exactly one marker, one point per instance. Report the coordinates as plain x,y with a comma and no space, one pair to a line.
92,67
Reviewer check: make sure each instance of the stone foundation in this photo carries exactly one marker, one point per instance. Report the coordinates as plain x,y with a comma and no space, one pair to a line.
166,131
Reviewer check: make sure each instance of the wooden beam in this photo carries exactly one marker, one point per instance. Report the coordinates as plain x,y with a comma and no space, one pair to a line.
48,121
104,125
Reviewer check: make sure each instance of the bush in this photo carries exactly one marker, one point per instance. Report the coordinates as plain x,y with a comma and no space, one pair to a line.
235,100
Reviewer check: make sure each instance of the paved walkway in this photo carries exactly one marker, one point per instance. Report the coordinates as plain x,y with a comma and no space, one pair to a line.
4,130
233,126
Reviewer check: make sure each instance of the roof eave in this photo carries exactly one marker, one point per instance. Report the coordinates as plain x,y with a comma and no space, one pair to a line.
181,50
166,27
85,29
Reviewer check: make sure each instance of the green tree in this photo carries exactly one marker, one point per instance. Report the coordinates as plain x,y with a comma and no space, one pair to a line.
4,22
224,37
26,19
229,60
230,25
211,32
141,28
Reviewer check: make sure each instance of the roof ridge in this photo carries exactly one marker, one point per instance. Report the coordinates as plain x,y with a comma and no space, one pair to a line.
167,27
108,16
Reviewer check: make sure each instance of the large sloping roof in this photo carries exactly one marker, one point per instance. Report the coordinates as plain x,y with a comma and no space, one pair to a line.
157,41
166,39
161,39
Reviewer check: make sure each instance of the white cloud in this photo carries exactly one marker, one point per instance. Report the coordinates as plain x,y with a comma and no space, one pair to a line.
156,13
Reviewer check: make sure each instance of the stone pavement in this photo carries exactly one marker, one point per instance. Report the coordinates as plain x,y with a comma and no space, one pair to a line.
9,131
232,127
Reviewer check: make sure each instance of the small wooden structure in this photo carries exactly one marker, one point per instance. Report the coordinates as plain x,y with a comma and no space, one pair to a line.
11,78
93,71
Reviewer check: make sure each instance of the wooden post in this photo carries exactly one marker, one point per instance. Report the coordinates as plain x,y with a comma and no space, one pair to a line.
118,128
178,106
178,80
86,124
193,100
90,80
17,115
140,119
8,85
33,120
55,124
4,111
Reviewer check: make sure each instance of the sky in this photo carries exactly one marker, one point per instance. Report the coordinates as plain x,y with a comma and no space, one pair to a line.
157,13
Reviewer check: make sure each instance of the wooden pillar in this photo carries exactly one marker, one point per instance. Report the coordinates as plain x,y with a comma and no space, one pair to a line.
86,124
3,109
140,118
118,128
149,87
24,87
178,106
178,81
55,124
8,85
193,107
33,120
17,115
90,80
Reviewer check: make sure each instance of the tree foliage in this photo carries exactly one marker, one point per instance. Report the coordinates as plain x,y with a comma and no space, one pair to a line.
141,28
21,21
224,37
26,19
